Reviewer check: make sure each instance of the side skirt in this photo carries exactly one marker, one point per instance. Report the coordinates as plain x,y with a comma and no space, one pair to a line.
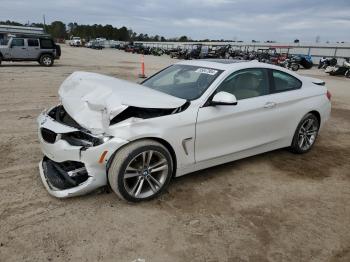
232,157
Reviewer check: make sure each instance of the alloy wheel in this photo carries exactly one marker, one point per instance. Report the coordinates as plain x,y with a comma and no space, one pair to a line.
307,134
47,60
146,174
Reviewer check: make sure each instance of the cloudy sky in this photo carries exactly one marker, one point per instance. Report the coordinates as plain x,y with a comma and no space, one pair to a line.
281,20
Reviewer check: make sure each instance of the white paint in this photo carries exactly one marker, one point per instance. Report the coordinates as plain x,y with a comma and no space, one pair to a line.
220,134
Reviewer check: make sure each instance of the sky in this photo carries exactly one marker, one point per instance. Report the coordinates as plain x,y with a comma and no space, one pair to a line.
279,20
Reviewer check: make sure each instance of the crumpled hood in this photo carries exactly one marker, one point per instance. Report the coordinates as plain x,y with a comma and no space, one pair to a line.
92,100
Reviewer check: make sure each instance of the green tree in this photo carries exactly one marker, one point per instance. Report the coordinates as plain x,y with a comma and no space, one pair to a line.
57,29
8,22
183,39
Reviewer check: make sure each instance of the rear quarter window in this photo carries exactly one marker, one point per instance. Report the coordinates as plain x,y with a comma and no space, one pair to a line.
284,82
46,44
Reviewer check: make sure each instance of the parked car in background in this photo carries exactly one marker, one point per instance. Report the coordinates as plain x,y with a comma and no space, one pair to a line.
129,48
187,117
100,39
75,41
43,50
89,44
97,45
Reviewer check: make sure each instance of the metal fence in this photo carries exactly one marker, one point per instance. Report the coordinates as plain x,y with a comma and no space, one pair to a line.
316,51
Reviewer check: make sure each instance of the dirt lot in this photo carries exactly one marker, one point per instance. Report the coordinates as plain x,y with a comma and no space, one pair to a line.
272,207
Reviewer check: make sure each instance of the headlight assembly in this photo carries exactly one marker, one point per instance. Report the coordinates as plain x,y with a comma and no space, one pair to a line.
83,139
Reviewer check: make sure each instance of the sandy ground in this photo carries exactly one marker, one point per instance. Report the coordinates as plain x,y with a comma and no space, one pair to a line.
272,207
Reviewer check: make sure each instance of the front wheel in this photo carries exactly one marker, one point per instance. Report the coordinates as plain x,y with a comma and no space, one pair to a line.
140,170
46,60
295,67
305,134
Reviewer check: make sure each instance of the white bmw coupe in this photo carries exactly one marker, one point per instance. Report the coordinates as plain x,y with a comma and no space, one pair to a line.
189,116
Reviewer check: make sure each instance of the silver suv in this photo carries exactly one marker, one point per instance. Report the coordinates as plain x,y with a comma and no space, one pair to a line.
43,50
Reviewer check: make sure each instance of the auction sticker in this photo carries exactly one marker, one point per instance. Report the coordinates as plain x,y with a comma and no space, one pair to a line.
206,71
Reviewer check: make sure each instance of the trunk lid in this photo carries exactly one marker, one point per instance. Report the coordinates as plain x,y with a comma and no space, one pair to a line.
92,99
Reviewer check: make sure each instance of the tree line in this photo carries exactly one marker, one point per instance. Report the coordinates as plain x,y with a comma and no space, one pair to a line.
60,30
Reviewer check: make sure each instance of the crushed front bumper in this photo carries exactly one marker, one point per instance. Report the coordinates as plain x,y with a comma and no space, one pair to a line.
60,185
68,170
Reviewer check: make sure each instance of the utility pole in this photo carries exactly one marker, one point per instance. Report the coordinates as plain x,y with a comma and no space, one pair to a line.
44,23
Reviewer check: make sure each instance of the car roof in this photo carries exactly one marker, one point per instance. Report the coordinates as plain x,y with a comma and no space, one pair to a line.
221,64
231,64
225,61
31,37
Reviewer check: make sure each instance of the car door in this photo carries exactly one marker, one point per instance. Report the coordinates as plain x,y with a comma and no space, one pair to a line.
33,48
18,50
226,129
289,98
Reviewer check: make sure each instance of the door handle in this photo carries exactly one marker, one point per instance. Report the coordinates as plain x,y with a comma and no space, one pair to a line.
23,48
270,105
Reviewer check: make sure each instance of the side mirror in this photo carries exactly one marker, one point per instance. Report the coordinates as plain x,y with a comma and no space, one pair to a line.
224,99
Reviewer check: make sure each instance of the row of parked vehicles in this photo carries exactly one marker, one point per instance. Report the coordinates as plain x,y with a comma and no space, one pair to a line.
44,50
331,66
93,44
139,48
273,55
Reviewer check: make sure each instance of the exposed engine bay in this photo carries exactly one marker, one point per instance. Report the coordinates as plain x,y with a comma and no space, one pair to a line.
83,137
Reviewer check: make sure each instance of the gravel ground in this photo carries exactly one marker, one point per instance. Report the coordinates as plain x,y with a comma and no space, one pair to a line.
272,207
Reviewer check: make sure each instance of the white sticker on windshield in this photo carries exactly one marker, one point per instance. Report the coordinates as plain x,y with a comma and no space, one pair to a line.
206,71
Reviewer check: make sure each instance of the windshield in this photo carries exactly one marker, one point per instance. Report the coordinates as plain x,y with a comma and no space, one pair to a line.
183,81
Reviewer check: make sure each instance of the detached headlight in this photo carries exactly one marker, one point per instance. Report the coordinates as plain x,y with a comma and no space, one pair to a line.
83,139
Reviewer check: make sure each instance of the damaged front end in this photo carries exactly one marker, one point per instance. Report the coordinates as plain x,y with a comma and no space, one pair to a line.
79,137
65,175
76,136
73,163
96,101
145,113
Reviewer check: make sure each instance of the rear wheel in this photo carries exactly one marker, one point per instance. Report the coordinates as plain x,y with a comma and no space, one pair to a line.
140,171
306,134
46,60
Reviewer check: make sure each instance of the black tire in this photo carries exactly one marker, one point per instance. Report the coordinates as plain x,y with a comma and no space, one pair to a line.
123,160
347,73
302,144
0,59
46,60
295,67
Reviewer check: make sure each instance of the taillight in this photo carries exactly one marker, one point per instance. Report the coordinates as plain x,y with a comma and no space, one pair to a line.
329,95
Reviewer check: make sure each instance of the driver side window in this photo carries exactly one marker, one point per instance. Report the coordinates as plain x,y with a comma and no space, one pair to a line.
17,42
246,83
